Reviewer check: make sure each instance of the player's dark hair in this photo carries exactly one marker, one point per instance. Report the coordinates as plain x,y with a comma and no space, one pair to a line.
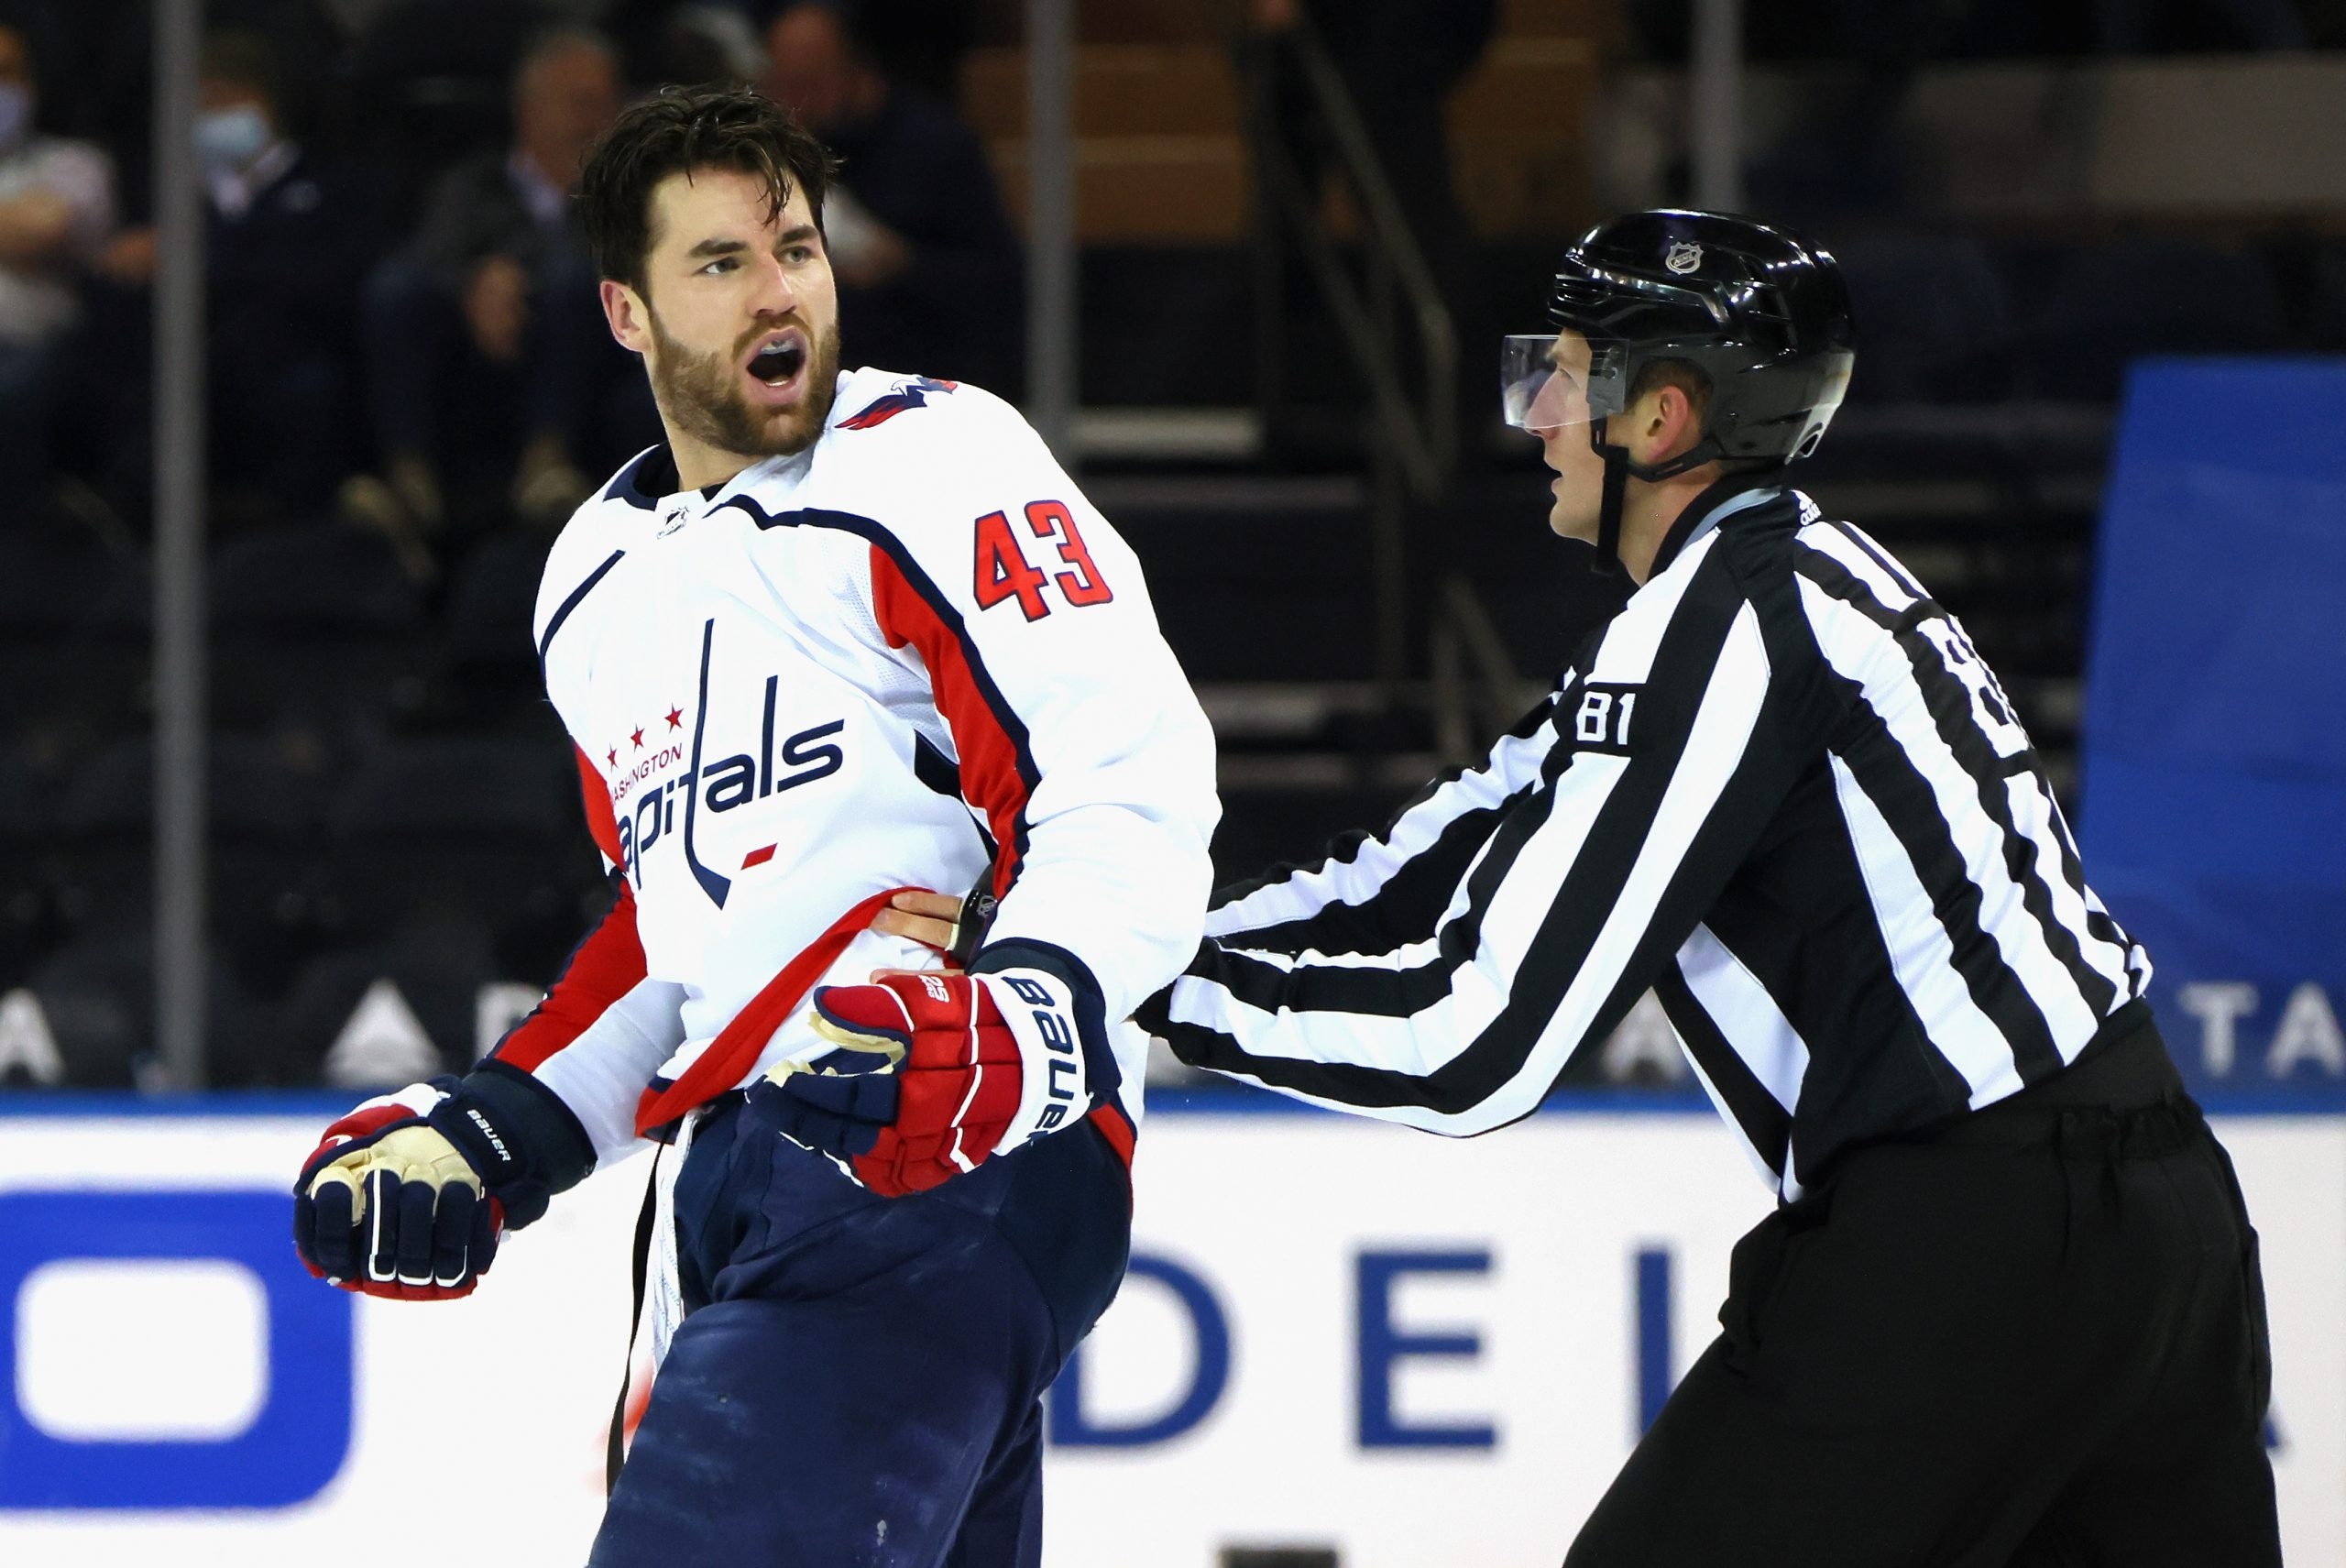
681,130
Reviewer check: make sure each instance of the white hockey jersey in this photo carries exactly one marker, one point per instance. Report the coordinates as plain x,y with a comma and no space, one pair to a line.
908,652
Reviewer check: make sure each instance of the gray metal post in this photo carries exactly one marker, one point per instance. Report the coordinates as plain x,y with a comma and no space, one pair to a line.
179,552
1714,84
1051,224
1388,505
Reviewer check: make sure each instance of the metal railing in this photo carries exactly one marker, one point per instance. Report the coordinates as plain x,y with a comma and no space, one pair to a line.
1477,692
1411,440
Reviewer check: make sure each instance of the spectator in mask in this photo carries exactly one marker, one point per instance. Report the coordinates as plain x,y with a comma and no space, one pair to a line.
285,240
928,265
56,207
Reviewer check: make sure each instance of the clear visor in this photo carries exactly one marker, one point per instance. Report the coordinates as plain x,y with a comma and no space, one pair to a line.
1534,394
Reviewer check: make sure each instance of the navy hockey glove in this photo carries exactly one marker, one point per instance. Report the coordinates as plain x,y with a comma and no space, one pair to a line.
984,1063
407,1196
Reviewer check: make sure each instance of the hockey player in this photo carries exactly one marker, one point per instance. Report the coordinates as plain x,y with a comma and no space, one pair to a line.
843,634
2009,1309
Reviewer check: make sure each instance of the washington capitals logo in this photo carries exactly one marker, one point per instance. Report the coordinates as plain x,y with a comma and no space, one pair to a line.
644,796
912,394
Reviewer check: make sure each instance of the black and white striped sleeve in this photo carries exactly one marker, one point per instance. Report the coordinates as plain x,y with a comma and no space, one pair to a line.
1443,975
1373,892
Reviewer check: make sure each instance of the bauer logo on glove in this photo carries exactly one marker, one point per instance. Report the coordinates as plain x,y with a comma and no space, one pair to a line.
1053,1026
407,1195
934,1072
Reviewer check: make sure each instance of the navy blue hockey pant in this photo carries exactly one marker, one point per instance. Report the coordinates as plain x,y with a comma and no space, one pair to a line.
857,1382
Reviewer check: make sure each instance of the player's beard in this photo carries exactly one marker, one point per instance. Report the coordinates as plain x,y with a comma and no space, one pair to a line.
701,393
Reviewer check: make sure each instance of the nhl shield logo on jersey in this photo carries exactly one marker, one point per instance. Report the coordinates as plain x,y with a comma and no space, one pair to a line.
1683,258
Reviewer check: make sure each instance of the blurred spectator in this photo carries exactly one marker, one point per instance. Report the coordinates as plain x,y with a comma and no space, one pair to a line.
431,83
354,16
928,265
920,43
701,42
56,207
2143,27
285,242
1926,30
493,376
1849,151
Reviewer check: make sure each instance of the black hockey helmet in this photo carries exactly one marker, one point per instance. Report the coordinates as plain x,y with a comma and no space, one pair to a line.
1763,313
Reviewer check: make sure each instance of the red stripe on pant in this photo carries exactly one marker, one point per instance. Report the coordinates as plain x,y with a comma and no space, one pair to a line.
1117,1128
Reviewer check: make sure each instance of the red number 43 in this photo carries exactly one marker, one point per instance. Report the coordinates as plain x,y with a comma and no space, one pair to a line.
1004,572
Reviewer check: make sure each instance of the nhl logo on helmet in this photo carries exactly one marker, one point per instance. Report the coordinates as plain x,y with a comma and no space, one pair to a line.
1683,258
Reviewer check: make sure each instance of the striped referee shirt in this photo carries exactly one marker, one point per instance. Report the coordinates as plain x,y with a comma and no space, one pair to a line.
1780,788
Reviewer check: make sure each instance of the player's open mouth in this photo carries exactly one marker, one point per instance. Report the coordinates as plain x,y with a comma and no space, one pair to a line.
779,360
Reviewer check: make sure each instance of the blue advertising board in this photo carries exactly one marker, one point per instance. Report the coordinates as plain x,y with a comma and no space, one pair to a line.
2213,804
295,1440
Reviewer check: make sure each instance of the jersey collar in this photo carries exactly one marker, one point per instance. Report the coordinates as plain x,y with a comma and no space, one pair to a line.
1715,505
643,481
650,484
651,480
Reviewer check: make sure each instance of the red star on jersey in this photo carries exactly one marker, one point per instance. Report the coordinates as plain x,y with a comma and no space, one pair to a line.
614,755
676,718
638,738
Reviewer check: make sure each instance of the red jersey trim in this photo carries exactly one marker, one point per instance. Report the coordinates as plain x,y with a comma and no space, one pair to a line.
997,771
735,1049
606,964
912,394
602,826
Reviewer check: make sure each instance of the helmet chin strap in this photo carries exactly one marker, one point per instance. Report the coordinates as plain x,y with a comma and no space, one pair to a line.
1619,471
1609,511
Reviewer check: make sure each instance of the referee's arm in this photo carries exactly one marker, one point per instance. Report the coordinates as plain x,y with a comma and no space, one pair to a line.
1375,893
1655,772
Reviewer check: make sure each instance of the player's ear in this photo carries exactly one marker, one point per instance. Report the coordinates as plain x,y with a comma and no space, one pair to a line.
628,317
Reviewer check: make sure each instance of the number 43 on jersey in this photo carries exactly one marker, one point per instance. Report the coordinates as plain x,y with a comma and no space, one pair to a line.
1004,572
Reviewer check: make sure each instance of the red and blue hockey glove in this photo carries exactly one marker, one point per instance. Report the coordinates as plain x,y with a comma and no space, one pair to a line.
407,1196
981,1064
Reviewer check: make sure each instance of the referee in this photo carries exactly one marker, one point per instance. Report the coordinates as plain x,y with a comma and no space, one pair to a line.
2008,1309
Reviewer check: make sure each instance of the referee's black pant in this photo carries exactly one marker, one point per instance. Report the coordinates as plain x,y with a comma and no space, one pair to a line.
2034,1338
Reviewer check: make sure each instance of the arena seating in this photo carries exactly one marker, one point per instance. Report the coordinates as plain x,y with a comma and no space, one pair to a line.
390,799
